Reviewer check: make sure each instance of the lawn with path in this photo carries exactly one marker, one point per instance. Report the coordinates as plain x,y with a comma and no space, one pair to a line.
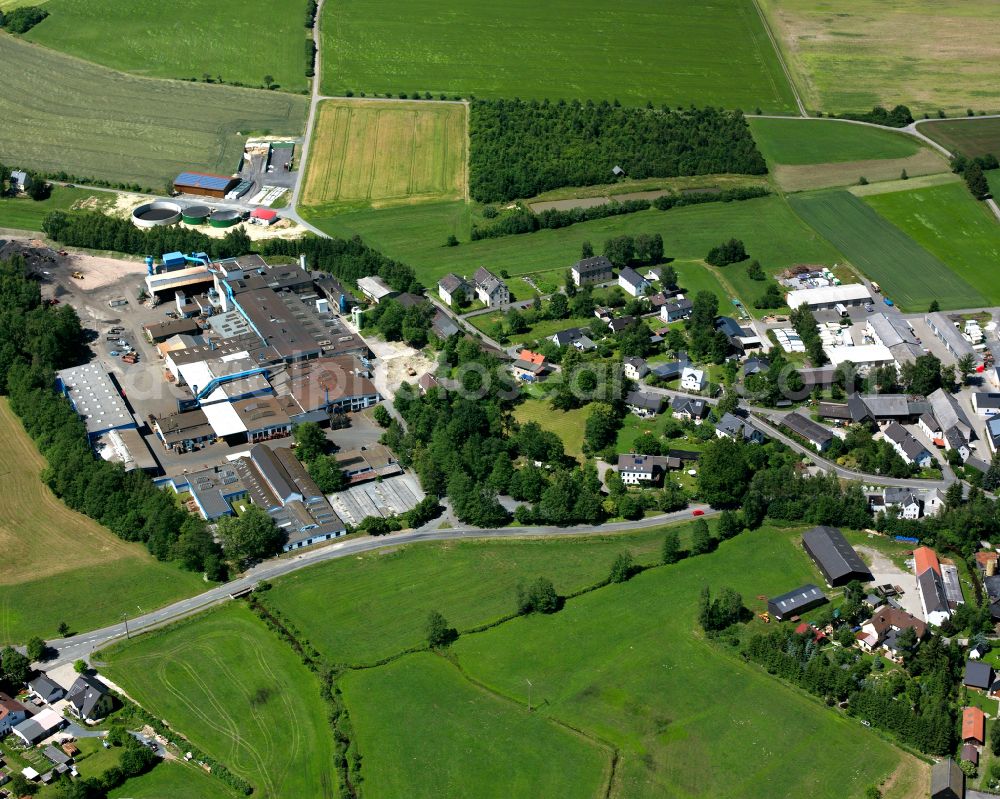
910,275
627,663
410,715
949,223
666,52
236,690
58,113
398,588
375,153
240,41
68,567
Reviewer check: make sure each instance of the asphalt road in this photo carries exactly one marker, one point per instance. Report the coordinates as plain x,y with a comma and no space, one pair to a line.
82,645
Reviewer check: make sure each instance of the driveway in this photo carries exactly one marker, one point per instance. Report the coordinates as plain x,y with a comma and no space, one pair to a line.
885,571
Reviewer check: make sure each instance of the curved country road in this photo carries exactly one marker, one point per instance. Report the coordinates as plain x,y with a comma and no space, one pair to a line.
82,645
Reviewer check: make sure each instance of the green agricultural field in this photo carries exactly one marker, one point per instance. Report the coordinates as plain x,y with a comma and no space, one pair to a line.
993,176
416,235
238,692
820,141
378,153
240,41
409,714
910,275
968,136
667,52
22,213
929,56
949,223
170,779
323,600
626,663
85,585
61,114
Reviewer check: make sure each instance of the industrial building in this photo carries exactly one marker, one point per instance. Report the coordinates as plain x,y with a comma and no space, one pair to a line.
361,465
834,556
796,602
942,327
94,394
204,184
828,297
895,333
375,288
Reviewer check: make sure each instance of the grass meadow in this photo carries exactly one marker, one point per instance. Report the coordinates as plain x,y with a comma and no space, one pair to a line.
381,153
968,136
668,51
410,716
227,683
239,40
417,234
58,113
22,213
173,778
949,223
568,425
910,275
929,56
820,141
68,567
398,588
626,663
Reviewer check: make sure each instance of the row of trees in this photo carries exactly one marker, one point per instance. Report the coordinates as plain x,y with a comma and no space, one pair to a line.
520,149
898,117
644,248
804,322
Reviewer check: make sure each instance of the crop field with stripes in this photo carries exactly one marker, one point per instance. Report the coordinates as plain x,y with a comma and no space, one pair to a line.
385,153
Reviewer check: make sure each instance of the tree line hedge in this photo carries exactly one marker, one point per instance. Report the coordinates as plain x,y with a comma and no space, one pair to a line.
521,148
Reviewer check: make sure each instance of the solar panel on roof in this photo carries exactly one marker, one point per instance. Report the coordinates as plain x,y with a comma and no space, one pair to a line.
202,181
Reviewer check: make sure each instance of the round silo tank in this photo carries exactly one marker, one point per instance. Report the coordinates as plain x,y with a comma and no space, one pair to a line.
196,214
225,218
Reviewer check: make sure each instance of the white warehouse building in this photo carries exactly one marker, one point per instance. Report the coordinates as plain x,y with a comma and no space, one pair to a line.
827,297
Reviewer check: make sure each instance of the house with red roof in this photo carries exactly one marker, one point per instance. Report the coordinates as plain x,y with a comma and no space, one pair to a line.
973,726
529,366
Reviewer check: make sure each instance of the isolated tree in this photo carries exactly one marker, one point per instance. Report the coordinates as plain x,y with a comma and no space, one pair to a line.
976,180
965,366
586,250
63,629
730,525
934,307
539,597
903,175
328,476
439,634
310,442
516,323
701,538
671,552
452,240
622,568
35,648
14,666
754,271
558,306
381,416
79,666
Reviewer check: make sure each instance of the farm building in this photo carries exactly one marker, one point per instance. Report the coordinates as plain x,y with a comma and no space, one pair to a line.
39,726
204,184
863,356
817,435
375,288
795,602
895,333
828,297
263,216
834,556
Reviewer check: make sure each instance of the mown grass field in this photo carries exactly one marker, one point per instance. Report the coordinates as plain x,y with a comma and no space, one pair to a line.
910,275
59,113
22,213
929,56
948,222
398,588
231,686
239,40
627,663
820,141
968,136
370,152
568,425
417,234
667,52
410,715
171,778
64,566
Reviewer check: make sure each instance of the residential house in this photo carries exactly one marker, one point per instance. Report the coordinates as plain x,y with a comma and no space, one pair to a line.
907,501
742,339
675,310
575,336
835,557
949,413
970,753
89,698
592,270
637,469
19,181
929,427
12,713
490,289
931,585
45,690
986,561
883,628
41,725
643,403
693,379
689,408
453,290
954,440
978,675
993,433
736,427
632,282
947,780
427,382
818,436
986,403
635,368
618,324
755,365
796,602
906,446
529,366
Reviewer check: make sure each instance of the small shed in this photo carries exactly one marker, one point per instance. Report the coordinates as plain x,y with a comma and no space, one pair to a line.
618,172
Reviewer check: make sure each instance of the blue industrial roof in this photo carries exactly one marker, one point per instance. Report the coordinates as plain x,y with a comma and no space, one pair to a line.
173,256
202,181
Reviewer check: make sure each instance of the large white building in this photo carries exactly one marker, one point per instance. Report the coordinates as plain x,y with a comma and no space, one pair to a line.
864,356
827,297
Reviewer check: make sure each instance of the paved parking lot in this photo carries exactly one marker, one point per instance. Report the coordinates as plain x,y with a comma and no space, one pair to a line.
387,497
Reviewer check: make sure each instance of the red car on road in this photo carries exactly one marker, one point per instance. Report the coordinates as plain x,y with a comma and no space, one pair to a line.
698,512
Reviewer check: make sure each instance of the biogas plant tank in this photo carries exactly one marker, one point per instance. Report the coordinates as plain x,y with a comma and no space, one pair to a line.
196,214
225,218
158,213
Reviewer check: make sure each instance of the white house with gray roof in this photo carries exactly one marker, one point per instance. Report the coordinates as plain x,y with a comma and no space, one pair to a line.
453,289
632,282
490,289
906,446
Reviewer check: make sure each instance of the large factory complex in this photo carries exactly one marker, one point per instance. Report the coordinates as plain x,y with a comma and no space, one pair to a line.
248,351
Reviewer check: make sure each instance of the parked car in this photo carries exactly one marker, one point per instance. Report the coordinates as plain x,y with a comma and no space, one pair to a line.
697,512
869,307
887,301
114,353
